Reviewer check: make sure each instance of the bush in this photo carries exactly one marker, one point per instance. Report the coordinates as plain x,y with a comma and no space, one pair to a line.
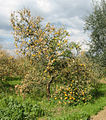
79,79
32,82
12,109
7,65
75,78
73,94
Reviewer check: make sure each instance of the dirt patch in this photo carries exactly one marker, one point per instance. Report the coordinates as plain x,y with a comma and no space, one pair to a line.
102,81
100,116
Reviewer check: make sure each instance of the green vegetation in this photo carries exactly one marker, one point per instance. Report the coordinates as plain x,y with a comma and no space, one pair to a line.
19,108
96,24
50,79
35,104
10,108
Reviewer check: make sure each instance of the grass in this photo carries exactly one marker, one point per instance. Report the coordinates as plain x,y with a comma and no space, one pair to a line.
104,79
8,85
56,111
84,111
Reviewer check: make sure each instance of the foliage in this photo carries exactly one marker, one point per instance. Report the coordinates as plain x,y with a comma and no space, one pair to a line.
82,111
96,70
13,109
63,73
51,60
60,111
42,44
96,23
49,66
79,80
7,65
23,65
32,83
73,94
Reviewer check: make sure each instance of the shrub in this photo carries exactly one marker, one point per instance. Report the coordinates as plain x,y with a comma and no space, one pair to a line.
7,65
79,80
32,83
73,94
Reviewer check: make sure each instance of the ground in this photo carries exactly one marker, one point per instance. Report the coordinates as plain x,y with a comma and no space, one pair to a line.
100,116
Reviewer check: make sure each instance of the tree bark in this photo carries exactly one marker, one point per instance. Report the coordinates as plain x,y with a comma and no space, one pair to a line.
48,88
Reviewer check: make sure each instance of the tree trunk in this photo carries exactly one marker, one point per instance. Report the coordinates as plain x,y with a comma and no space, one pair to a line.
48,88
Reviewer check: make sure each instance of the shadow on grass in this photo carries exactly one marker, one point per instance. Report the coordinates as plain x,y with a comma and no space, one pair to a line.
99,92
8,86
12,78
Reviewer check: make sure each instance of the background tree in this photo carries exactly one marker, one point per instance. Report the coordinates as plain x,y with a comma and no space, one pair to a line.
8,66
96,24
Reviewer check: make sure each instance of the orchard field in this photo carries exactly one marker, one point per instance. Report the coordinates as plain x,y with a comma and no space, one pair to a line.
51,78
24,96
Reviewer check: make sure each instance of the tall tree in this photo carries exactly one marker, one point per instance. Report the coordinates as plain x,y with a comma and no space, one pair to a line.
96,24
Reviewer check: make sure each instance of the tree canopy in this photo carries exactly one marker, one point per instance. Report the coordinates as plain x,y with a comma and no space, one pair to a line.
43,44
96,24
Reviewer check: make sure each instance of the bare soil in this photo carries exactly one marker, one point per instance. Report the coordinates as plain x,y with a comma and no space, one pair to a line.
100,116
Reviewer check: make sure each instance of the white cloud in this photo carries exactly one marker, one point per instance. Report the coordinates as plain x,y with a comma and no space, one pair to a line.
5,33
44,5
58,12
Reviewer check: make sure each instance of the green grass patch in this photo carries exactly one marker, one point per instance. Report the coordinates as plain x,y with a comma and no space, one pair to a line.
79,112
7,86
52,110
13,109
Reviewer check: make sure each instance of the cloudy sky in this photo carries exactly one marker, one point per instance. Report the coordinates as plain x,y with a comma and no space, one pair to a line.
68,12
